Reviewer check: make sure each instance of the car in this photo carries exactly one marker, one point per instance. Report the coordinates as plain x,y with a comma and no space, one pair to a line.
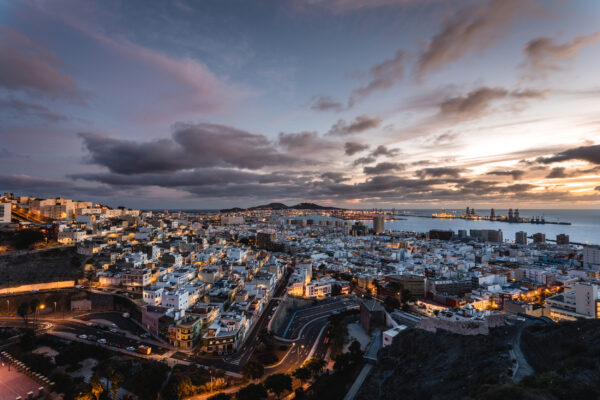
82,336
102,341
113,325
126,315
145,335
130,348
113,330
92,337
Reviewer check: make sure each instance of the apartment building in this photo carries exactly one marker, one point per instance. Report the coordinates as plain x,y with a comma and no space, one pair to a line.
578,301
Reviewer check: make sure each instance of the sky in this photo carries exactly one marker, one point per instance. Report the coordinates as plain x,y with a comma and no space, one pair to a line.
350,103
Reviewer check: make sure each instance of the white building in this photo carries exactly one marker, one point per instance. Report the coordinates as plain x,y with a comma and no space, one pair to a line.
591,257
152,295
177,299
578,301
5,213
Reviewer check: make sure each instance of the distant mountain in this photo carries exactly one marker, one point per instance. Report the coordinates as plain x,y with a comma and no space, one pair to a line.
281,206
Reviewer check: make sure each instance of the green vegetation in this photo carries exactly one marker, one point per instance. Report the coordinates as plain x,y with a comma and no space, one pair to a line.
252,392
278,383
253,370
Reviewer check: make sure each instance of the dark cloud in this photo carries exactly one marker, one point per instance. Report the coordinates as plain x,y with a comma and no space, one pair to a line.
352,148
6,153
27,66
336,177
325,103
477,102
544,54
360,124
191,146
469,30
438,172
382,76
557,172
590,154
195,178
384,151
305,141
364,160
515,173
21,108
45,187
597,188
383,167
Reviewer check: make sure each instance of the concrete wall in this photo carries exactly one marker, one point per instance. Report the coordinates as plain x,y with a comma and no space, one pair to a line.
286,309
38,286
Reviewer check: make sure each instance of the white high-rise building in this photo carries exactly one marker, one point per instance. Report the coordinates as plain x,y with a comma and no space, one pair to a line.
591,257
379,224
5,213
578,301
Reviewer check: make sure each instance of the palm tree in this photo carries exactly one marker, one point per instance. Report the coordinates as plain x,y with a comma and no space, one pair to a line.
115,383
302,374
34,305
315,365
23,312
96,386
278,383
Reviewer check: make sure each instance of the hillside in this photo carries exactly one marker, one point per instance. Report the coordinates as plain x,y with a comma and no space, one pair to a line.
281,206
422,365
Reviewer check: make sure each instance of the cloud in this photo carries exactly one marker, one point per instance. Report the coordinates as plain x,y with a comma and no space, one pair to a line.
384,151
22,108
383,167
351,148
343,6
191,146
597,188
438,172
590,154
305,141
557,172
27,66
515,173
364,160
382,76
543,54
336,177
469,30
477,102
360,124
325,103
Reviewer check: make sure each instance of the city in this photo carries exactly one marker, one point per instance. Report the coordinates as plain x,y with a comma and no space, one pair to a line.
244,295
299,199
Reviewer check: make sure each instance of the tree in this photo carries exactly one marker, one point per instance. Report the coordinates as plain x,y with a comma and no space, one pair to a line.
355,352
34,304
299,393
278,383
302,374
115,383
252,392
25,239
220,396
23,312
179,387
253,370
391,303
96,387
315,365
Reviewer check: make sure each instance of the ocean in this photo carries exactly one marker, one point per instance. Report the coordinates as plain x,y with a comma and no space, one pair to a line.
584,228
